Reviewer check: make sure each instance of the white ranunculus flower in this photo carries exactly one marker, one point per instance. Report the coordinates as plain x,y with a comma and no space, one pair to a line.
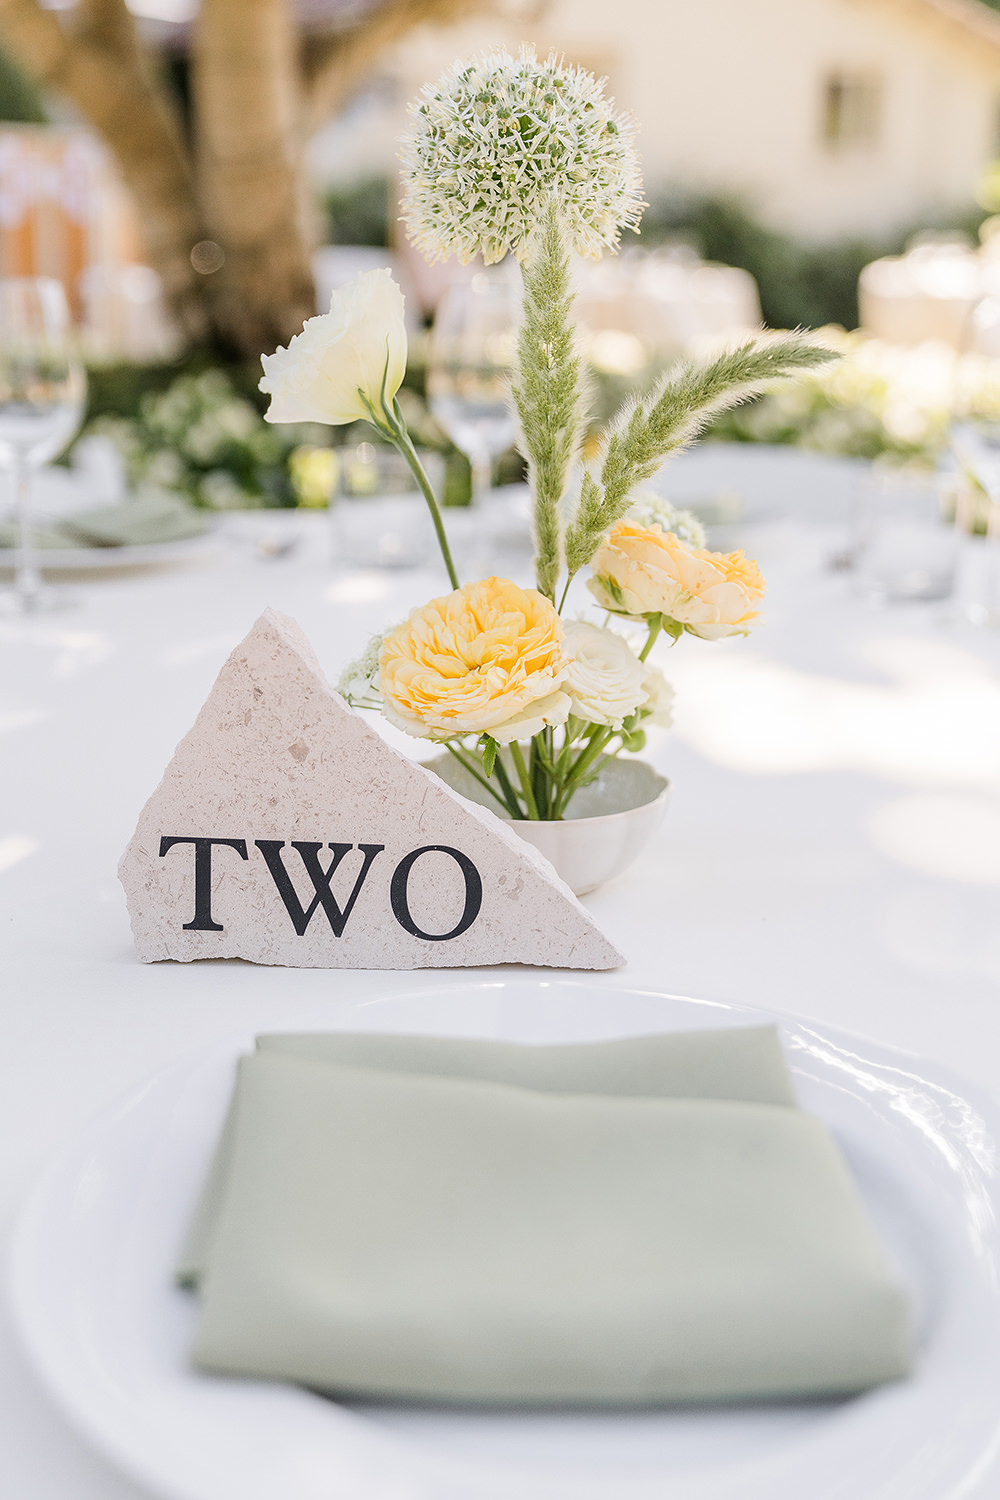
604,679
339,355
659,705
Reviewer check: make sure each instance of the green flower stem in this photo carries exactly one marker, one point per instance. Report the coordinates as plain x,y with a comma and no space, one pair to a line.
525,780
513,806
392,426
581,767
466,762
655,626
540,767
408,451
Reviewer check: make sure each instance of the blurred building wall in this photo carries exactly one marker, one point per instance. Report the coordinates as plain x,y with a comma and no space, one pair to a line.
831,117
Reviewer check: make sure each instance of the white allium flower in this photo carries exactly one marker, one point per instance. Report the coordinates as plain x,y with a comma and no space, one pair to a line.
497,139
659,705
604,679
650,509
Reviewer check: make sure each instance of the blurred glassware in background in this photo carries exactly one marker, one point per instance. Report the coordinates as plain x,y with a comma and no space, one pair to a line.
471,357
639,309
904,550
125,317
974,494
42,387
380,518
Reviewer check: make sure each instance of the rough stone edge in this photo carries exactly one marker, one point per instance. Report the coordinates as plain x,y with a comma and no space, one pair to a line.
291,635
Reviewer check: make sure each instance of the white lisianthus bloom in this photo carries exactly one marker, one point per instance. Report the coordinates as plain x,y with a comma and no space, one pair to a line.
604,679
497,139
341,356
659,705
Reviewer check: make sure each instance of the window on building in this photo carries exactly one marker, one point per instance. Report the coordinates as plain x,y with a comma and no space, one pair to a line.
851,109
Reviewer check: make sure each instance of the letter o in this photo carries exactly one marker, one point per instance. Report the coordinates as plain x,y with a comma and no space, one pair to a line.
401,905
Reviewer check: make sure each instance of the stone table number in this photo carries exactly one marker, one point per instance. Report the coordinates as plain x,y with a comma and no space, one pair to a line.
286,831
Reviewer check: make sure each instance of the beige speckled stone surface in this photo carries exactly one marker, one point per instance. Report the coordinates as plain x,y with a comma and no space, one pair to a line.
277,757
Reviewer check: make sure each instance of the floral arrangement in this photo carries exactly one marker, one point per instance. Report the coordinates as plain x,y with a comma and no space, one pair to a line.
201,439
878,401
512,155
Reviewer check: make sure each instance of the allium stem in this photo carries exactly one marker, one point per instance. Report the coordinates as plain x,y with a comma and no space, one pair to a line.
549,392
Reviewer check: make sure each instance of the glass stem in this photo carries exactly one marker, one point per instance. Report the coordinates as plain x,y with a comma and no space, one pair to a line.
28,581
482,477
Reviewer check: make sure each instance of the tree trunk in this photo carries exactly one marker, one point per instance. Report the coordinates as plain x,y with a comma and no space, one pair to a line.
103,70
258,93
249,154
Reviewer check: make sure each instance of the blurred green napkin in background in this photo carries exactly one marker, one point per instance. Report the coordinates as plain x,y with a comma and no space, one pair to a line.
154,516
628,1222
45,538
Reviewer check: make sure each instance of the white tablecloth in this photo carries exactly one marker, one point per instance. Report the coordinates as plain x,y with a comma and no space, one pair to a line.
832,847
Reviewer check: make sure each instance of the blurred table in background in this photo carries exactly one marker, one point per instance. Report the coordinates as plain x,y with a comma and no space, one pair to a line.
832,848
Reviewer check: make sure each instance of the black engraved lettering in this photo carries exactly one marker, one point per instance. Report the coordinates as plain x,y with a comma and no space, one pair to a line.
401,905
202,919
301,916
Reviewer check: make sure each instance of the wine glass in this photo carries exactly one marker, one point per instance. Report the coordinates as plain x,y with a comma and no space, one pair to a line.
42,387
473,344
975,451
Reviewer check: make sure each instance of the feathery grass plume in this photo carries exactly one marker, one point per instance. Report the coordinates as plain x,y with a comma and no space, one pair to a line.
549,391
653,426
496,138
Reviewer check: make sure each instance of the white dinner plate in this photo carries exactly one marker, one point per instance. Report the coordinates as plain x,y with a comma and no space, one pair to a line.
109,1332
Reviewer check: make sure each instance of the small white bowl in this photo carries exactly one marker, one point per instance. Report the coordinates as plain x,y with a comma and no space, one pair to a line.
609,823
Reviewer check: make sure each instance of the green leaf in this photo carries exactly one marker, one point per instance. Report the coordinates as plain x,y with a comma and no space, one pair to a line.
489,748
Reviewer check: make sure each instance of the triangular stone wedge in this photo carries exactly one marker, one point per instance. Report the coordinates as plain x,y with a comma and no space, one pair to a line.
287,831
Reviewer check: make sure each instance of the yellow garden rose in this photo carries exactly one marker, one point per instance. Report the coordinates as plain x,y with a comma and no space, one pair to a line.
642,570
486,659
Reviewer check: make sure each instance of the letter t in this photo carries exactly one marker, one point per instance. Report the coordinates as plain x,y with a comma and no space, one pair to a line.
202,920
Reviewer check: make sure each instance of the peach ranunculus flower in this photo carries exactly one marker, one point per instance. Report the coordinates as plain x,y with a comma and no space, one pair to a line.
643,570
486,659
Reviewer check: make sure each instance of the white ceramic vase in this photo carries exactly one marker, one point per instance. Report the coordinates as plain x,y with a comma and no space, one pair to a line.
607,824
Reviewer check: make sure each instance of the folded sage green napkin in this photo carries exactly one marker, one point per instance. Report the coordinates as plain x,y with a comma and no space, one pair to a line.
46,538
617,1223
152,517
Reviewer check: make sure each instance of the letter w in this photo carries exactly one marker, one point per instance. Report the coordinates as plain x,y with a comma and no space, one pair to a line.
301,916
